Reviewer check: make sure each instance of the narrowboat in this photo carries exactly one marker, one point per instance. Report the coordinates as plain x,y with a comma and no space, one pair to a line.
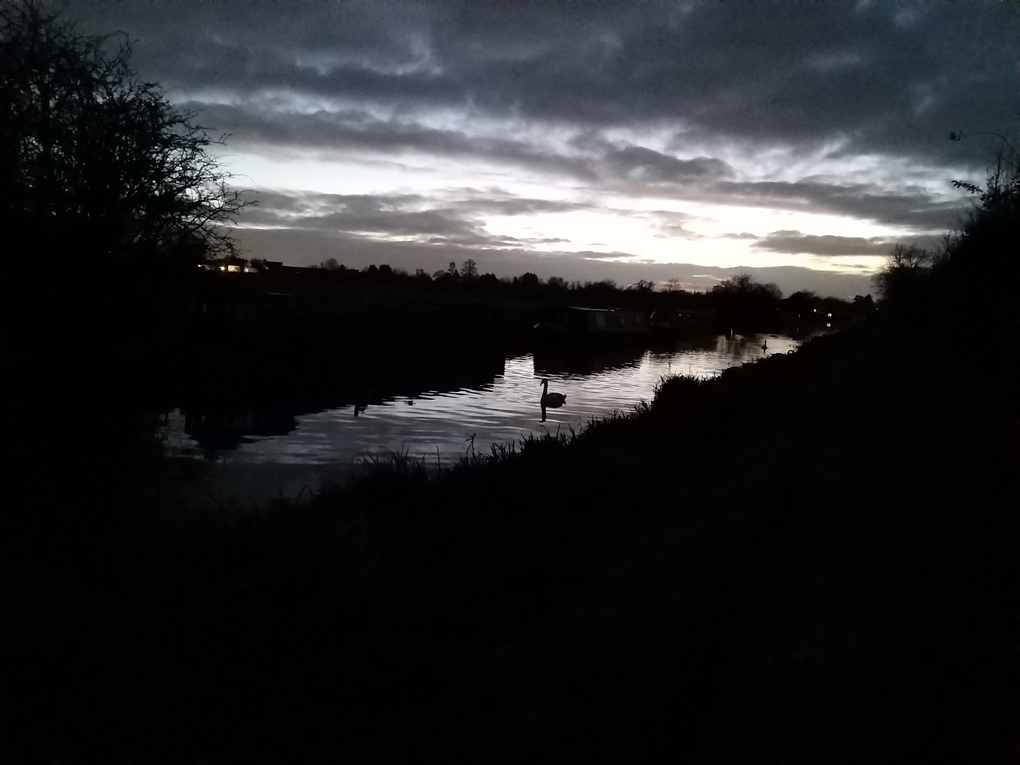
595,326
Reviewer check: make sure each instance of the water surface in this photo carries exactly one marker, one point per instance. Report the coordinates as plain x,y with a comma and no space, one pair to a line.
255,455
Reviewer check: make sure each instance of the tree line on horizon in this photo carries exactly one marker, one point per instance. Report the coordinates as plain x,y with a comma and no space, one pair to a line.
468,274
740,294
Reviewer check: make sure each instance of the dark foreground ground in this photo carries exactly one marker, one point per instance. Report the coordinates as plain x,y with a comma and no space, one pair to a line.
809,560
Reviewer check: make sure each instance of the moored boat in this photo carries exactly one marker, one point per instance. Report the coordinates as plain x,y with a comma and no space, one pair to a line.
576,325
680,322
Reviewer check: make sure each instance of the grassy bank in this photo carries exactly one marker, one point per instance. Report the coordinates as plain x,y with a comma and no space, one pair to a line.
808,559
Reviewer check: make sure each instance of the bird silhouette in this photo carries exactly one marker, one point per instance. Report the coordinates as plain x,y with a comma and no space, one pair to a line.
551,400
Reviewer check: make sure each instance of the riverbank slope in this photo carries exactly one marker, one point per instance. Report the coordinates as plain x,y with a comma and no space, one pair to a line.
809,559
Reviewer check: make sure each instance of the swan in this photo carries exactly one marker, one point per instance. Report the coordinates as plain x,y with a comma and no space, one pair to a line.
551,400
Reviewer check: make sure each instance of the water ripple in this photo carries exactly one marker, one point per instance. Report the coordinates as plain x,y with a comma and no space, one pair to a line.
447,423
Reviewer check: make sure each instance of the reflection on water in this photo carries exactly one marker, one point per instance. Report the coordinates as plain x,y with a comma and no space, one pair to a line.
589,363
266,454
225,430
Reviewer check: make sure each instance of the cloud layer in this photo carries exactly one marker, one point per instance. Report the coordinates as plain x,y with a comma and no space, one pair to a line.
809,133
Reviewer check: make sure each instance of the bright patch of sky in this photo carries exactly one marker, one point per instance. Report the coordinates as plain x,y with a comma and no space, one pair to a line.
308,173
707,238
624,227
863,263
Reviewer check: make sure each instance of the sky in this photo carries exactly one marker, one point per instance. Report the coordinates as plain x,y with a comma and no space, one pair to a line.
590,140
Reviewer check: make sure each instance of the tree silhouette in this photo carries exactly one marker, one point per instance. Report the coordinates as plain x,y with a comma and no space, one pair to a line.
469,270
557,283
529,281
904,268
742,300
744,285
977,269
93,161
643,285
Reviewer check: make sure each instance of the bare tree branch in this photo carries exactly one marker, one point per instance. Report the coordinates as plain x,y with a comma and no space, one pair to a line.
91,155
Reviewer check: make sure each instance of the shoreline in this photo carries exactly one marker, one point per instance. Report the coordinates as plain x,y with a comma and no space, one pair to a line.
333,445
755,567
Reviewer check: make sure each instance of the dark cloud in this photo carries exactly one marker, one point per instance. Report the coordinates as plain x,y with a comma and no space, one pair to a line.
365,215
796,75
407,217
337,134
346,131
511,206
797,243
921,209
832,251
641,164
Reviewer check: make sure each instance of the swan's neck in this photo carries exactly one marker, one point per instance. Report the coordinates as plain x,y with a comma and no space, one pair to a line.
545,387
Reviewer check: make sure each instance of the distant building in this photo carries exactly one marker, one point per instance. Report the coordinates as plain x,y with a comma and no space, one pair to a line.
231,265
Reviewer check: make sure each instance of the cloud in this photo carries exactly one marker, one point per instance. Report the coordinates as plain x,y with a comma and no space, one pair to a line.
346,131
670,224
795,242
797,76
925,210
356,136
397,217
641,164
402,231
363,215
512,206
606,104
